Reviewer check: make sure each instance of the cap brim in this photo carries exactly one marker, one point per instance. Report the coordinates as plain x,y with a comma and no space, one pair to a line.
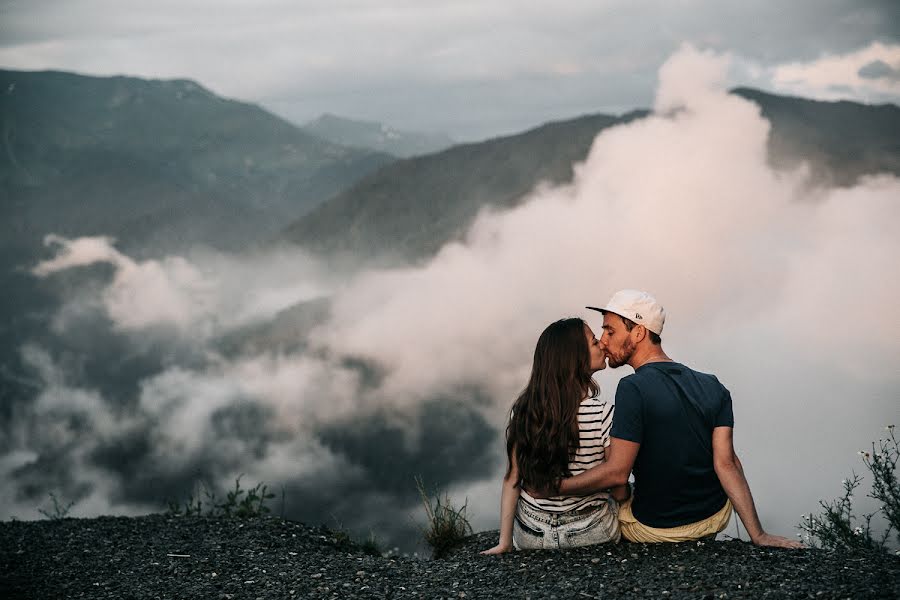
600,310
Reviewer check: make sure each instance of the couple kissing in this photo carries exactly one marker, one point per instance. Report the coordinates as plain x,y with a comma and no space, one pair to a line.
570,453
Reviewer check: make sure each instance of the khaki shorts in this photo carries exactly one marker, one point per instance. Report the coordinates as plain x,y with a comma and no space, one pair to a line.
635,531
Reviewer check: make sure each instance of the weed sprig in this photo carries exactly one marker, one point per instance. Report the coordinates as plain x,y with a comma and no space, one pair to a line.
59,511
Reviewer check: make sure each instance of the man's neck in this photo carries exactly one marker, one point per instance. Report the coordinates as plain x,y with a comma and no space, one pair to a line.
649,354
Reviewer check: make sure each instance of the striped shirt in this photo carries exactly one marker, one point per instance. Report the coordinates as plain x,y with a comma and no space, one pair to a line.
594,423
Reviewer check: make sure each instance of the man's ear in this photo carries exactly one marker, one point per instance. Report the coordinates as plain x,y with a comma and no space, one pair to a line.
639,332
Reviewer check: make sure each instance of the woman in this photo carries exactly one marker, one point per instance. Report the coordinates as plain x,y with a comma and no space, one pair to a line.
558,427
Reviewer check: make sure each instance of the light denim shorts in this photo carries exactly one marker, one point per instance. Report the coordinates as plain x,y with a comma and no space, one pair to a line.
536,529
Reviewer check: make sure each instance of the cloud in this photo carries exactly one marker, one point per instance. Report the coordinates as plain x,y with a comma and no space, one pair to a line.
141,294
778,289
173,292
871,74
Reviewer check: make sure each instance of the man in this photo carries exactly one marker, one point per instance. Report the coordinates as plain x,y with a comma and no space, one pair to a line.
673,428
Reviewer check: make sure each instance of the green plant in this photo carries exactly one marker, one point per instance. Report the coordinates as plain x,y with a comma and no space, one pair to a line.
238,503
836,526
447,526
59,511
252,504
882,463
192,506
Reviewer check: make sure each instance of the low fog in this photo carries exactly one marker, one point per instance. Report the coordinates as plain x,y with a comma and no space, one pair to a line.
198,368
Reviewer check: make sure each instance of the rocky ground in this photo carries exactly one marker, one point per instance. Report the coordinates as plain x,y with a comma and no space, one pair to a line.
228,559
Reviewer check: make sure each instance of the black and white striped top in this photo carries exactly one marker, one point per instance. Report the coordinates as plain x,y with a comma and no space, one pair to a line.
594,422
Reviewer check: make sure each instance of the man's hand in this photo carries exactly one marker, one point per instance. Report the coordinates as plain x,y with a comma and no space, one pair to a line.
498,549
541,494
621,493
776,541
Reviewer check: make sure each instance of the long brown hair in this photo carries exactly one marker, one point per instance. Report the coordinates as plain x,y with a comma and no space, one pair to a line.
543,426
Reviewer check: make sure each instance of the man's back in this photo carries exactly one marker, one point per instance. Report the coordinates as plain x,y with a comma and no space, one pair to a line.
671,410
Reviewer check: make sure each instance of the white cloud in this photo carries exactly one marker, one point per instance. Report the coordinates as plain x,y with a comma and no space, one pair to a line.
685,205
871,74
79,253
167,292
178,293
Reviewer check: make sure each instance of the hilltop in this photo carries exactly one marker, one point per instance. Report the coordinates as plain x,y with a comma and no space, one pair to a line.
162,557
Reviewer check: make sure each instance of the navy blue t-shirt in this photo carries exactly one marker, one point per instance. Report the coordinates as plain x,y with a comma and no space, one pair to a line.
671,411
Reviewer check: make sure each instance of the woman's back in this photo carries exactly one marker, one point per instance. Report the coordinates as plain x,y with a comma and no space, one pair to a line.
594,422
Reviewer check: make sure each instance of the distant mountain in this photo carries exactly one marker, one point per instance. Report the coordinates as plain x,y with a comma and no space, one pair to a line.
411,208
376,136
159,164
839,140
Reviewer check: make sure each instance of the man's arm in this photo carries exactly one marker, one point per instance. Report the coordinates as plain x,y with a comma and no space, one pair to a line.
614,471
731,476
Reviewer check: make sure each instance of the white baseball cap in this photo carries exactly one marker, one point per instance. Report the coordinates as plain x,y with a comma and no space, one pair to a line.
638,306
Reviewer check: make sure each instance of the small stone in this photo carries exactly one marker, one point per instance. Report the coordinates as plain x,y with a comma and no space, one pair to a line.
316,575
596,560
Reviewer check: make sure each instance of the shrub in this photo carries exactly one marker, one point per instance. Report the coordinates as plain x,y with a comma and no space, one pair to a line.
447,526
341,539
371,545
836,526
882,463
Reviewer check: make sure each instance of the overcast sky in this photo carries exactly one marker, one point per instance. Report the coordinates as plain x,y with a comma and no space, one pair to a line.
470,69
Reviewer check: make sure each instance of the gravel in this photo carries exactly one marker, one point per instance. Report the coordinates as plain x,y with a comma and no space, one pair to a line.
227,559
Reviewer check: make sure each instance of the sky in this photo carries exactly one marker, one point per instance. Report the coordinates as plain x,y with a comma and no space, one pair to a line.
412,369
469,69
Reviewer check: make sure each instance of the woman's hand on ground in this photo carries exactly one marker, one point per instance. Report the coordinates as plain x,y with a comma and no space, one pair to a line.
498,549
776,541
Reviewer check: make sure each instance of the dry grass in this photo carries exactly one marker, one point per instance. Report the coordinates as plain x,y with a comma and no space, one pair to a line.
447,525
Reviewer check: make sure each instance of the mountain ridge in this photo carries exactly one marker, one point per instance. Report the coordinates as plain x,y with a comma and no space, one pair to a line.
195,156
376,136
409,209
